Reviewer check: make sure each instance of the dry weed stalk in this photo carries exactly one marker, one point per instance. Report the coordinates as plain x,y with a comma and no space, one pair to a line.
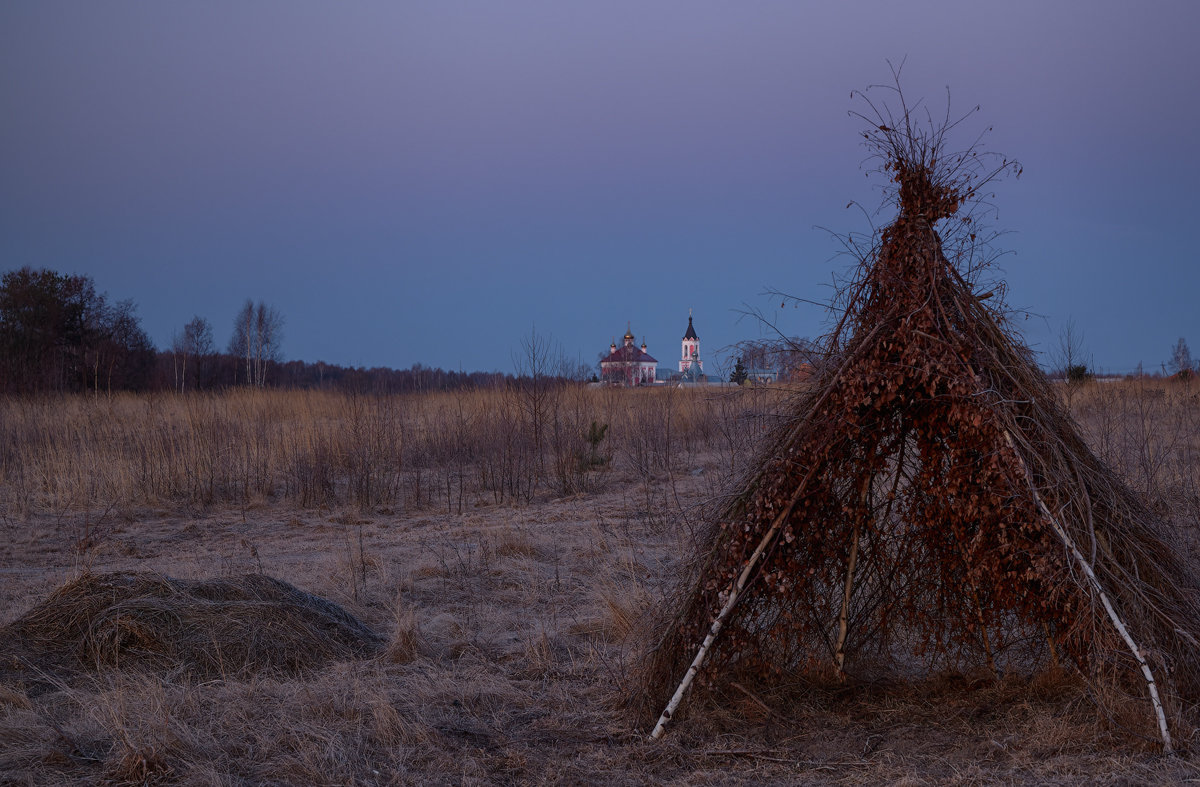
406,642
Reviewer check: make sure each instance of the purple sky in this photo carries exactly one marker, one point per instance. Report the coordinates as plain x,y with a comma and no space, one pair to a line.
424,181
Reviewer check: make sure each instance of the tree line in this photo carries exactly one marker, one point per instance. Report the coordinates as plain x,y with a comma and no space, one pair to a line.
59,335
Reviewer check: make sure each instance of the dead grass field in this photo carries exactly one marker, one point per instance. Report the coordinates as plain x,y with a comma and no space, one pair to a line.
507,566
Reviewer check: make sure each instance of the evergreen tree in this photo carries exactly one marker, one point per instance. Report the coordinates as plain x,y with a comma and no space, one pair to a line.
58,334
739,373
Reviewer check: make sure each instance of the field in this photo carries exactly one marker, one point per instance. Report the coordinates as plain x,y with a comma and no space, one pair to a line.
507,546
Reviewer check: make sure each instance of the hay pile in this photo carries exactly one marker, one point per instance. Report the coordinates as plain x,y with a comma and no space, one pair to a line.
929,505
181,629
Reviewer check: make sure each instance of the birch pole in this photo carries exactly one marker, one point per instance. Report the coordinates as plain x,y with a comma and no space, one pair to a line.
1108,607
844,618
735,593
839,656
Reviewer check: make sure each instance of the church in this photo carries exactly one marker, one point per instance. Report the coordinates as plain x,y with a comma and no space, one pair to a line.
691,368
629,366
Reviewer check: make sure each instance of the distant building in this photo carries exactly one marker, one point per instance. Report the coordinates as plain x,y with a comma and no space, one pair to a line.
690,352
755,375
627,365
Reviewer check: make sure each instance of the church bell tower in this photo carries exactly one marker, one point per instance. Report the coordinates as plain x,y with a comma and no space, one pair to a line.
690,353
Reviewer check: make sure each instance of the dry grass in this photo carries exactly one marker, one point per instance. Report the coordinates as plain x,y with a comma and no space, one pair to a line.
182,630
510,627
453,451
1149,431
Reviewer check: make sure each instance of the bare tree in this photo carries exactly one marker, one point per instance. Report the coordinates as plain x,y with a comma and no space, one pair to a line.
199,337
193,346
535,364
268,331
1181,362
118,346
257,338
1069,360
240,342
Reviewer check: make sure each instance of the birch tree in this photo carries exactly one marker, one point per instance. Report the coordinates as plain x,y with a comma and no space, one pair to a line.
257,339
194,345
1181,358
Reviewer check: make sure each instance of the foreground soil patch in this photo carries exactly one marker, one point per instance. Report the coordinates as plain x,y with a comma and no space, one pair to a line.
512,647
201,629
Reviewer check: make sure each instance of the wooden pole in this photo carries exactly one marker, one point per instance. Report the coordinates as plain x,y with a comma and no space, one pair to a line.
839,651
844,618
1086,567
735,593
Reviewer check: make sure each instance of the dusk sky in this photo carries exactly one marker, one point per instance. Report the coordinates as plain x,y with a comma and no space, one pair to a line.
423,182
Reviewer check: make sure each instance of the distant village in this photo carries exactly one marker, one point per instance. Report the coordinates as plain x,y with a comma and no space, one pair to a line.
629,365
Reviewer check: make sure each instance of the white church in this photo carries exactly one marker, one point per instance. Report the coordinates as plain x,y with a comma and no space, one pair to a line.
629,366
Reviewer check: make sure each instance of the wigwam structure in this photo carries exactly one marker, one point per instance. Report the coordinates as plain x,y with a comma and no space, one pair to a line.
929,505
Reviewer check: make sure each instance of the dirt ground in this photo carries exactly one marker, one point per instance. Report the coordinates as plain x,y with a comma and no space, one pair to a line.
512,641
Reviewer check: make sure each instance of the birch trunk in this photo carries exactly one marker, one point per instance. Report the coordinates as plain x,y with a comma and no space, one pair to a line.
839,651
735,593
844,618
1086,567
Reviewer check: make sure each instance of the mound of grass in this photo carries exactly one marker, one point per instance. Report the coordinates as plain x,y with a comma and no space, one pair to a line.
181,629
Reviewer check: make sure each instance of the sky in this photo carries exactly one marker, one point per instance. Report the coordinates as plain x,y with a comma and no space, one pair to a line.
431,182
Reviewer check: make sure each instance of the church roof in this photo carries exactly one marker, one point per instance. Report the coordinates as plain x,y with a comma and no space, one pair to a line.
691,332
629,354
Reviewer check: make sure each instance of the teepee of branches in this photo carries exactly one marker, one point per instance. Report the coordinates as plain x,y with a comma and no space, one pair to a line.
928,504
